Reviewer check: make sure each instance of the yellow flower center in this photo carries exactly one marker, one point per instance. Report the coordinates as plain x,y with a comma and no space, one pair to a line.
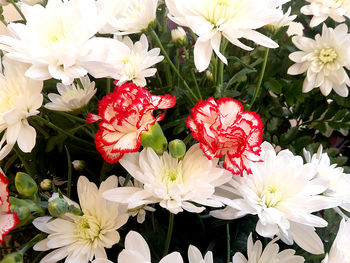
219,11
327,55
87,227
171,177
130,66
271,196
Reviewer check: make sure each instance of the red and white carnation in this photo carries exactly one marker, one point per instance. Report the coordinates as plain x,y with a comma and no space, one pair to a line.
223,128
8,220
124,115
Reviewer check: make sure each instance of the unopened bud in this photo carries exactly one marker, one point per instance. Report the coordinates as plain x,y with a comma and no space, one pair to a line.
179,37
177,148
46,184
155,139
58,207
26,210
79,165
25,185
15,257
209,75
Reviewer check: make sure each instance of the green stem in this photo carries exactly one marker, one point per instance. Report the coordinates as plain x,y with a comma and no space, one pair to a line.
170,232
220,71
31,243
18,10
228,242
24,162
53,126
69,183
258,86
70,116
108,88
159,43
193,75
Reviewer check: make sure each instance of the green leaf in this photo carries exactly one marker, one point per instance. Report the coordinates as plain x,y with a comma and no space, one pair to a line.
289,135
273,85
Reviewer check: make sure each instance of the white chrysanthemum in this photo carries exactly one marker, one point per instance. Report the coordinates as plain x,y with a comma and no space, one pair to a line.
136,63
337,182
140,212
58,41
212,19
285,20
282,192
322,9
270,254
340,250
20,98
81,238
175,184
72,97
324,59
128,17
137,251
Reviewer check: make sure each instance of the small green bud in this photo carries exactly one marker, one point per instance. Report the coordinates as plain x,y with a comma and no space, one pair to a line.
25,185
79,165
26,210
179,37
209,75
177,148
15,257
58,207
155,139
46,184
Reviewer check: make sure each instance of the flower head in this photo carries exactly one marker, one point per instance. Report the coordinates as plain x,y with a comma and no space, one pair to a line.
175,184
224,129
340,250
135,65
212,19
337,182
270,254
58,41
124,115
81,238
283,192
72,97
322,9
20,98
128,17
8,220
324,59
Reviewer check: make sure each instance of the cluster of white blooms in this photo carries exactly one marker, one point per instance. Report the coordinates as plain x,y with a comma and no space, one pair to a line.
325,58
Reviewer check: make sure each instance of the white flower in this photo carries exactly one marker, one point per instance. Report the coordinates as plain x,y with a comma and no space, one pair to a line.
128,17
81,238
270,254
20,98
337,182
137,251
340,250
195,256
322,9
324,59
140,212
212,19
72,97
295,28
175,184
58,41
32,2
136,62
283,193
285,20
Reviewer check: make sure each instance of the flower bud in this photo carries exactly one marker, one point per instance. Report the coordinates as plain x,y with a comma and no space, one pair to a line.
26,210
178,36
15,257
177,148
58,207
25,185
209,75
79,165
46,184
155,139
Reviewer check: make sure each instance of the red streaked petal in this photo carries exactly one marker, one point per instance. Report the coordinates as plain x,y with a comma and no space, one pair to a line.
7,223
4,195
164,102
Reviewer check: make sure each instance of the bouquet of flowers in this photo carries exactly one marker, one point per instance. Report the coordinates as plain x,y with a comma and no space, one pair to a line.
175,131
